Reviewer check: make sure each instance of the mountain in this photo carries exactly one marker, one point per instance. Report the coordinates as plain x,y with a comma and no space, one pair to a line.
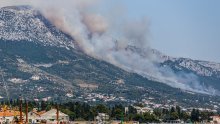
25,23
196,74
38,61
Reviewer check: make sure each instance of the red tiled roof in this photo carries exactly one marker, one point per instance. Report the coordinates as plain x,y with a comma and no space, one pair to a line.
8,113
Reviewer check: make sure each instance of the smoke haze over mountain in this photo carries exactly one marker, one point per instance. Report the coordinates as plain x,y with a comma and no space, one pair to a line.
110,39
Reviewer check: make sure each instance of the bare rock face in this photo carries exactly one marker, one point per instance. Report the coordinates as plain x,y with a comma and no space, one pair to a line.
19,23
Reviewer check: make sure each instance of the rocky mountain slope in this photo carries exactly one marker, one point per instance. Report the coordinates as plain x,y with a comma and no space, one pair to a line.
37,61
25,23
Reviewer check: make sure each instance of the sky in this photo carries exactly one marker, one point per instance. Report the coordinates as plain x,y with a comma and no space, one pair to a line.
179,28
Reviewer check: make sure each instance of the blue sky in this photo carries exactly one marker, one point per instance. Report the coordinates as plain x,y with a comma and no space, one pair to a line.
180,28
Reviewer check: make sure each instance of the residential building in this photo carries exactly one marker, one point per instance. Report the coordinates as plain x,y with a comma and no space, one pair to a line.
51,117
216,119
141,110
34,116
8,116
102,118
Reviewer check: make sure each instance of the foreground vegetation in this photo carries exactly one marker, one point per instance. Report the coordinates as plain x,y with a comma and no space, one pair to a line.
83,111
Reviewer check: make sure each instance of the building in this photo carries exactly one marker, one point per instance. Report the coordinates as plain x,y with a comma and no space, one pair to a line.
8,116
178,121
141,110
102,118
51,117
34,117
126,122
83,122
35,77
216,119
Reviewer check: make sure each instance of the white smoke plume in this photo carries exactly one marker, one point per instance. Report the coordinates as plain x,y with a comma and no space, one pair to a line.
123,43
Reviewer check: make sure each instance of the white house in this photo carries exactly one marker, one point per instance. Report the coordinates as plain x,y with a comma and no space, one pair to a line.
141,110
101,118
51,116
215,119
34,117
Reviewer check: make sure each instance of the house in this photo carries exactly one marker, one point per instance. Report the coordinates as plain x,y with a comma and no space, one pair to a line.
34,117
141,110
8,116
102,118
51,117
216,119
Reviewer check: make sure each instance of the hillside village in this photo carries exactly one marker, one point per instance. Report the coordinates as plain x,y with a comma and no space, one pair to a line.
150,102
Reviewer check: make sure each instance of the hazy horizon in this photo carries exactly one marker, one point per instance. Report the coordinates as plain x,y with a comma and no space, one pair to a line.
181,28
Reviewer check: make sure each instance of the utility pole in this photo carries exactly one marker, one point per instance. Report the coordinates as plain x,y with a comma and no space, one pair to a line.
57,114
26,112
21,119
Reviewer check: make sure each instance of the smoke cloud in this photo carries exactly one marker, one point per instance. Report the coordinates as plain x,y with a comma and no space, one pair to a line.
124,43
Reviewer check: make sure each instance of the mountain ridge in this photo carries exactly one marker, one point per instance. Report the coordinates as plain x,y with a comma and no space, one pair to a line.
30,25
33,61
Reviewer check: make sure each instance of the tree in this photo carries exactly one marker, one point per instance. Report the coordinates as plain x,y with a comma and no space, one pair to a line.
178,110
165,111
174,116
71,114
205,115
139,118
195,115
148,117
185,116
102,108
117,112
158,112
172,110
132,110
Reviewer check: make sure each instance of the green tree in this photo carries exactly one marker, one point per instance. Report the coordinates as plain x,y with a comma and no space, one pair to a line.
178,110
102,109
132,110
185,116
71,114
205,115
172,110
139,118
174,116
194,115
158,113
148,117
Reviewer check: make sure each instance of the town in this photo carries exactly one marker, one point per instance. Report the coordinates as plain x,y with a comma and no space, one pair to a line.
48,112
